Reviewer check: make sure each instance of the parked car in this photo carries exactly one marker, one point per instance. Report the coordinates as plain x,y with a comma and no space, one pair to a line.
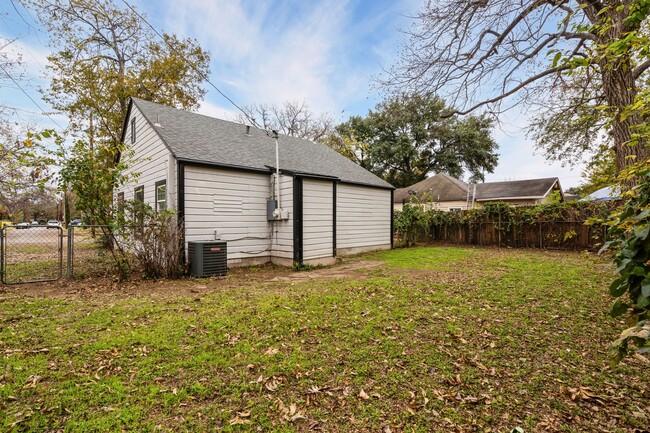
53,223
23,225
4,223
75,222
34,223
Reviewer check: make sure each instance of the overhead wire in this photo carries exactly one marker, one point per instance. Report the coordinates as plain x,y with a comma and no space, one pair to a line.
30,98
201,73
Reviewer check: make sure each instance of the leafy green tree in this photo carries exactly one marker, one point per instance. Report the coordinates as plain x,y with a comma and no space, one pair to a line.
351,139
24,172
104,55
409,136
584,62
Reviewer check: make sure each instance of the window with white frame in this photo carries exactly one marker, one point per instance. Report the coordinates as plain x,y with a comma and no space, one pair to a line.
161,196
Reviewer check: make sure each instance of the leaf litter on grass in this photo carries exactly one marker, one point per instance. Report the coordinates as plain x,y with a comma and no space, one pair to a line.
491,340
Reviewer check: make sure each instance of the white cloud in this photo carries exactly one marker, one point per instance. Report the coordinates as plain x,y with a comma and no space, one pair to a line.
215,110
272,52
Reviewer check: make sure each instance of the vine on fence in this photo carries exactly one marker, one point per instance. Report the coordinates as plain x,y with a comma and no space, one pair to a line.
417,219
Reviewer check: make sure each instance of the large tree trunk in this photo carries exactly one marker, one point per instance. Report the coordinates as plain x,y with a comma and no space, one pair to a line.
619,83
620,90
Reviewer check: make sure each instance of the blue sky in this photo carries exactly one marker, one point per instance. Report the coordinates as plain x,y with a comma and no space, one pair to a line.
323,53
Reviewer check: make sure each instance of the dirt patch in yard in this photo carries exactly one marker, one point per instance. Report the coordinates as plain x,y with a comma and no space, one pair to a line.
354,268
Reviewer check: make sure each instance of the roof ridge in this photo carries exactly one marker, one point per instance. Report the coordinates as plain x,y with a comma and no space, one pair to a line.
203,138
521,180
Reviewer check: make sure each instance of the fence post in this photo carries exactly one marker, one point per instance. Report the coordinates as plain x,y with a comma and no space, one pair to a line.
541,246
70,250
2,254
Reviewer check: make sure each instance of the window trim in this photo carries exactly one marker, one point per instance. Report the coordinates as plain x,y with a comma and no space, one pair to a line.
136,190
133,130
157,185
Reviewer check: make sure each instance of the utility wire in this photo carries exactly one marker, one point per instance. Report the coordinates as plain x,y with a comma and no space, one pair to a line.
30,98
204,76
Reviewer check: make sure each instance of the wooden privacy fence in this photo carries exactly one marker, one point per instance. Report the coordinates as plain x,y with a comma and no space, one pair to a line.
565,235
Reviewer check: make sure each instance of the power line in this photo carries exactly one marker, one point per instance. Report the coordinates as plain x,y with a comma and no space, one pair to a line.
204,76
30,98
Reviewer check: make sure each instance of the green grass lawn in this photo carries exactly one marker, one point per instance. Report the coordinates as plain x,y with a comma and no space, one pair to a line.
435,339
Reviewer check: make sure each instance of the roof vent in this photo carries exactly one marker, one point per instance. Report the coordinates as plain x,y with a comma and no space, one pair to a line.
248,130
157,122
411,192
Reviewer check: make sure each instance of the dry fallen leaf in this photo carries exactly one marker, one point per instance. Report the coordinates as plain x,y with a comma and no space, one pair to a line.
363,395
272,384
238,421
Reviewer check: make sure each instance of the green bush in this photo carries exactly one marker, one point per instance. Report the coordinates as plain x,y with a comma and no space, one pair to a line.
629,239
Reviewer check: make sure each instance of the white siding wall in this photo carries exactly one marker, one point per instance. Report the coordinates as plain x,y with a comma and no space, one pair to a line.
362,217
151,160
232,203
283,230
318,236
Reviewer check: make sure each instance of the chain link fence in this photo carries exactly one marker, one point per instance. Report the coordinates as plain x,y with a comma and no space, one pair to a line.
47,253
31,254
89,251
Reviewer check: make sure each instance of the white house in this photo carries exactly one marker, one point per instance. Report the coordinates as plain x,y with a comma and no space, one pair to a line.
221,178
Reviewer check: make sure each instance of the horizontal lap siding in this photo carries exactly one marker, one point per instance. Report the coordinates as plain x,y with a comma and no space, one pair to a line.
362,216
232,202
283,230
318,220
150,161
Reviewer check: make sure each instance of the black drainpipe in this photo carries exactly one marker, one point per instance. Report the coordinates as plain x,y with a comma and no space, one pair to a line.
180,203
334,218
392,230
297,221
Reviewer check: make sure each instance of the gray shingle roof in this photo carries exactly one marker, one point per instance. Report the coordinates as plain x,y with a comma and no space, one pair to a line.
530,188
440,187
204,139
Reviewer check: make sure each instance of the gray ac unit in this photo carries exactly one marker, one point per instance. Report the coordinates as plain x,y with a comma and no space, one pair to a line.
207,258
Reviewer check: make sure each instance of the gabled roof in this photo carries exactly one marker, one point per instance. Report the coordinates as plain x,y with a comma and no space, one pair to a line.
193,137
440,187
516,189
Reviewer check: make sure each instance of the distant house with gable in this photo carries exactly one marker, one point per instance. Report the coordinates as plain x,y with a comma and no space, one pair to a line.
446,193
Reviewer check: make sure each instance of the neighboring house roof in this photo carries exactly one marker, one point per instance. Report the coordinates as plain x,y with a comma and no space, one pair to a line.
516,189
440,187
193,137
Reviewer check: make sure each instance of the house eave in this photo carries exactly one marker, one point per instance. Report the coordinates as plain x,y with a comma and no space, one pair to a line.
511,198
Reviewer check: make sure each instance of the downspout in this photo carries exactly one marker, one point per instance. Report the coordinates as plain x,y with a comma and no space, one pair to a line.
277,169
